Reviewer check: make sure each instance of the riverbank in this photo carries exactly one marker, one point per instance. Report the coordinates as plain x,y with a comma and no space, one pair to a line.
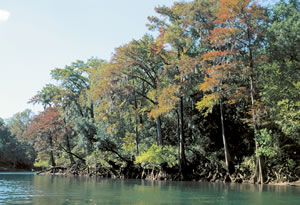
133,172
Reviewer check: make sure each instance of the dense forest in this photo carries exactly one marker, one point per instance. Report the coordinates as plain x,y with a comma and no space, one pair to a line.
213,94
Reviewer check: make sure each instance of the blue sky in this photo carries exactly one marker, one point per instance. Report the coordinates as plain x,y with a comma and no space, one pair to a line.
37,36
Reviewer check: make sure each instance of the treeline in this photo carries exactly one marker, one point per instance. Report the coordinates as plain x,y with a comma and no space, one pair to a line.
215,91
16,152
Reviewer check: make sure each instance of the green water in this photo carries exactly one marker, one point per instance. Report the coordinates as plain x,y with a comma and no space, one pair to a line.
26,188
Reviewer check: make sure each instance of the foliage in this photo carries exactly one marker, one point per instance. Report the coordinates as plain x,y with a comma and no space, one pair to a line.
266,142
97,159
129,142
13,152
248,165
281,75
157,155
42,160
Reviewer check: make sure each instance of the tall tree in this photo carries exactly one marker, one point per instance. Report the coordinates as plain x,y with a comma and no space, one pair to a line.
236,39
77,105
182,29
141,66
280,74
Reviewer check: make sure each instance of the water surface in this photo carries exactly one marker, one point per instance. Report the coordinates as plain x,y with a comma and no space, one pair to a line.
26,188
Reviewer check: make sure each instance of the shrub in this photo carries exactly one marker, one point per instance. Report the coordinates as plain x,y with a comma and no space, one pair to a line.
156,155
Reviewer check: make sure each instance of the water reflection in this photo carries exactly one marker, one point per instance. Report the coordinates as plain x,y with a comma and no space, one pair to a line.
54,190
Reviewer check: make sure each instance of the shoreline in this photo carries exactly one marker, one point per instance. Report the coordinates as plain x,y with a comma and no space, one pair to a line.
295,184
149,178
89,172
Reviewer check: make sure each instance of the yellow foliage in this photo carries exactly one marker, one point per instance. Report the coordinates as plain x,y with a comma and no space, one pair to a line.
208,101
152,94
167,100
157,155
42,159
128,142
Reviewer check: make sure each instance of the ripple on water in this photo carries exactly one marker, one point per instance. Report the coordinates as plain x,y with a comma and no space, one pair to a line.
15,191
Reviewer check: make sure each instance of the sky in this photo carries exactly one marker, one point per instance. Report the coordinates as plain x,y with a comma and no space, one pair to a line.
37,36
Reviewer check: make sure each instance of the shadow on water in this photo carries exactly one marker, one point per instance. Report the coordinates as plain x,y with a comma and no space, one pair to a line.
26,188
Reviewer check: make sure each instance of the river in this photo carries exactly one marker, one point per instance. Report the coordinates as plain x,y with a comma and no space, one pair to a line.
27,188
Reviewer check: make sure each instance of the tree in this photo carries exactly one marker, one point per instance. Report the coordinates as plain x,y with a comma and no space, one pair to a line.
76,104
47,96
45,130
182,30
236,40
280,74
50,97
18,124
13,153
279,79
138,63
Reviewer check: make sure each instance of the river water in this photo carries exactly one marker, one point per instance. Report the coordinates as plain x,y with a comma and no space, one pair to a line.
26,188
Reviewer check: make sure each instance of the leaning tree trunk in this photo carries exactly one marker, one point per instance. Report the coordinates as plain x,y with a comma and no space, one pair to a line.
228,161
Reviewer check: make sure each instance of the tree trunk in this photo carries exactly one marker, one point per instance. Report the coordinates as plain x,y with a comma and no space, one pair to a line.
92,112
181,139
228,161
67,139
136,124
259,176
137,139
89,133
178,143
252,93
159,137
52,159
69,149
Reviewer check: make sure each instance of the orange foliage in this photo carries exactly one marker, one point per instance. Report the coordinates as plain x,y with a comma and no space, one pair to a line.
167,101
187,65
241,10
212,55
219,36
235,18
